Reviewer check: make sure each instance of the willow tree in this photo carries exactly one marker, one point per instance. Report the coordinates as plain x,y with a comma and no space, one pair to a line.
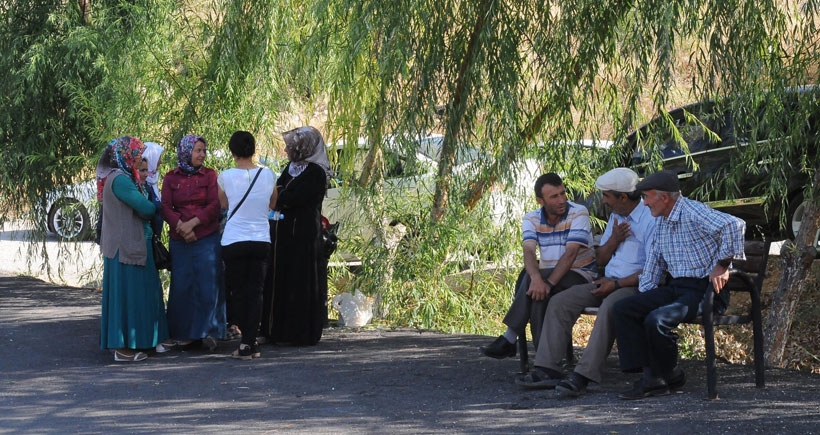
80,73
511,74
507,79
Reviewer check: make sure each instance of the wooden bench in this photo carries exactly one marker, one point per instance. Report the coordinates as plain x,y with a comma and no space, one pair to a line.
744,277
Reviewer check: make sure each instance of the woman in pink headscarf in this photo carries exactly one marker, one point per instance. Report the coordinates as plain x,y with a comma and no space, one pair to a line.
190,205
133,313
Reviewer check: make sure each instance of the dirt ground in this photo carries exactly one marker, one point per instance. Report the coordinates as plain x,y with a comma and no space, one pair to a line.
55,379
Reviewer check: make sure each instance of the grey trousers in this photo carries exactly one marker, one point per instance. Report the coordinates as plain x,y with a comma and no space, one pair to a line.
524,309
556,333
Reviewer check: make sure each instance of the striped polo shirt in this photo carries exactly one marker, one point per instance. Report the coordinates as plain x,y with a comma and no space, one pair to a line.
552,239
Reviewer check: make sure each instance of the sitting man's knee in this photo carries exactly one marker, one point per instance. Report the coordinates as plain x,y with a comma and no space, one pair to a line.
665,318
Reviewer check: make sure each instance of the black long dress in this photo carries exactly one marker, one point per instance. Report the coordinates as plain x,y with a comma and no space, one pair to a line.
294,310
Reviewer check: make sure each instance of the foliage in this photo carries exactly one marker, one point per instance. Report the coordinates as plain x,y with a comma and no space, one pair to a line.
151,69
513,80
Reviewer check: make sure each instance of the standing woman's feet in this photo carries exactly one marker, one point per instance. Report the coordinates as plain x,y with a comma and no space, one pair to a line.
233,333
129,355
209,343
246,352
166,346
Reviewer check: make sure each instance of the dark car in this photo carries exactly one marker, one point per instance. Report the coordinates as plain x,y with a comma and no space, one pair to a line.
716,135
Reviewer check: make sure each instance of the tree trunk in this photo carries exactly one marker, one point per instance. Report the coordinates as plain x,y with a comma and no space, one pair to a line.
85,9
797,257
455,116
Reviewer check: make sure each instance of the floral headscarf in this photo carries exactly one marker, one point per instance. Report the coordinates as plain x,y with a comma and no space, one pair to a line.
305,144
120,153
184,151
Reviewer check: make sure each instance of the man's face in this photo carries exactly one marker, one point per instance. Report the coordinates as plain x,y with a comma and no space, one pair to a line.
553,199
198,154
613,200
657,201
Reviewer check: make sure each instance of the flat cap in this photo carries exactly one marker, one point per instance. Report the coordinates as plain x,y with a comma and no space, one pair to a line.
665,181
618,180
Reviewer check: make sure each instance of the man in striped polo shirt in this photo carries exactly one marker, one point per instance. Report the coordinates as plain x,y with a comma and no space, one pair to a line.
558,254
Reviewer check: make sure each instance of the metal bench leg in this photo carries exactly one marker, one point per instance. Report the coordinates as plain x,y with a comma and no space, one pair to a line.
523,353
709,337
757,327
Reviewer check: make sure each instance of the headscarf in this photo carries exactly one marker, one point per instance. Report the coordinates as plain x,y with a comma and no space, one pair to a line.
184,151
153,152
306,145
120,154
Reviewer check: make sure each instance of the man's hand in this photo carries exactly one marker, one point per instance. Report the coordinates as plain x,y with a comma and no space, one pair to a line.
539,290
620,231
719,277
604,287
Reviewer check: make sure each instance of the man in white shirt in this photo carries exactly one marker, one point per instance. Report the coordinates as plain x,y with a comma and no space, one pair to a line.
623,250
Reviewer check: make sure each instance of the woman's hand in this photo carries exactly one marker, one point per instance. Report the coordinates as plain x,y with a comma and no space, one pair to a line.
186,229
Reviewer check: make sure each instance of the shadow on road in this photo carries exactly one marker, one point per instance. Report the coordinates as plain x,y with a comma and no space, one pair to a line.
55,378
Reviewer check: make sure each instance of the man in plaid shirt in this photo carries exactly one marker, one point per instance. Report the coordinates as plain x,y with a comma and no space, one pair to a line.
695,245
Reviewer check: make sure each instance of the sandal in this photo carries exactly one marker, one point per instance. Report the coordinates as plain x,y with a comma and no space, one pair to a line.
571,387
124,357
166,346
233,333
538,379
247,353
209,343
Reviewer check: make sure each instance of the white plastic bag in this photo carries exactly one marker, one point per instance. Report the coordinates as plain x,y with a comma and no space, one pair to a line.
354,310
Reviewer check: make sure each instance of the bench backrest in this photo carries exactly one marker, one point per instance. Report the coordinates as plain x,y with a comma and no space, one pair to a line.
754,266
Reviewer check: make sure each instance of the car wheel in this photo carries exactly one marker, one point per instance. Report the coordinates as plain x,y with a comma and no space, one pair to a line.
797,207
68,218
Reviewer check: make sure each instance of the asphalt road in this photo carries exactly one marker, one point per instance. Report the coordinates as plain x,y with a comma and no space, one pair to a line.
55,379
76,264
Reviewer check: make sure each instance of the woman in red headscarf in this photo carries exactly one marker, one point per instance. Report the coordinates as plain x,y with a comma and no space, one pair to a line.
133,312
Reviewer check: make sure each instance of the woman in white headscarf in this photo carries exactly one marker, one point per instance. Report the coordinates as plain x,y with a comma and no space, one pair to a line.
152,155
294,310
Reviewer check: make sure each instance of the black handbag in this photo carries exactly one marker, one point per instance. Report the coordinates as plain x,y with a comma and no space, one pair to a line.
162,258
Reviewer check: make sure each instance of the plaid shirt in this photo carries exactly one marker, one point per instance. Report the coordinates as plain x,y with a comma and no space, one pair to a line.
691,241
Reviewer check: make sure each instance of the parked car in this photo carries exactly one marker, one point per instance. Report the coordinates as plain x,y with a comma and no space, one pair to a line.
411,165
712,153
71,210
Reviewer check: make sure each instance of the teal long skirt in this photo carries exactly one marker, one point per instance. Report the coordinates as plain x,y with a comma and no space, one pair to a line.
133,311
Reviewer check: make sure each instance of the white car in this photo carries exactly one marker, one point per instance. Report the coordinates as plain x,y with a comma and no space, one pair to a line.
71,210
408,188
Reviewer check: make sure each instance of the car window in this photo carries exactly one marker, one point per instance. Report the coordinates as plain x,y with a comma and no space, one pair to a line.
692,123
395,164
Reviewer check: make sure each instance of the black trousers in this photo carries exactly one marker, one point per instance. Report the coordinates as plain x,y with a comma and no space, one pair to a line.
245,267
644,324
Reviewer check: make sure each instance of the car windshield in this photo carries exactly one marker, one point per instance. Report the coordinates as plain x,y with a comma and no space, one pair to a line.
405,157
691,122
